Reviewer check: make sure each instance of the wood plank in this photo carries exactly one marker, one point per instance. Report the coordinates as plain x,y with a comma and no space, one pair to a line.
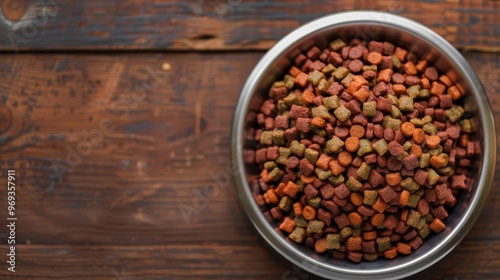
128,190
471,260
218,25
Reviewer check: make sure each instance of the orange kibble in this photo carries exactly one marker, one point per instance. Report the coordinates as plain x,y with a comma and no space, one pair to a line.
379,205
270,197
391,253
399,89
454,92
361,95
437,162
351,144
403,248
344,158
356,198
301,79
294,71
291,189
287,225
297,208
374,58
279,189
404,198
370,235
410,68
463,141
335,167
407,129
354,243
418,135
445,80
421,65
424,83
353,87
377,219
392,179
384,75
415,150
307,97
318,122
308,179
309,213
323,161
355,219
437,225
320,245
432,142
357,131
360,79
264,175
404,214
437,88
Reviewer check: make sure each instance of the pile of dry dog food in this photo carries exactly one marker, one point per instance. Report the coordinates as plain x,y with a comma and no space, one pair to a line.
363,149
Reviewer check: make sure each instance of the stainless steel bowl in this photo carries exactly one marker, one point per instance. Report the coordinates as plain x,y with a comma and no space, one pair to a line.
423,42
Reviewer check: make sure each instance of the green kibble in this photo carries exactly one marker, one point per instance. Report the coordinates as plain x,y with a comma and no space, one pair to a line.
297,235
447,170
331,102
332,241
364,171
340,73
314,202
421,223
301,221
291,99
433,177
429,218
445,157
413,218
320,112
370,68
278,84
402,156
315,77
426,120
283,156
315,226
380,146
395,62
406,146
436,151
334,145
356,232
370,257
336,180
266,138
281,105
289,81
346,232
394,100
370,196
395,112
328,69
285,203
347,80
413,91
320,131
342,113
353,184
323,174
413,200
276,174
323,85
466,126
430,129
424,93
370,108
279,138
409,185
383,243
297,148
417,122
365,147
270,165
311,155
406,103
424,232
455,113
337,45
470,105
392,123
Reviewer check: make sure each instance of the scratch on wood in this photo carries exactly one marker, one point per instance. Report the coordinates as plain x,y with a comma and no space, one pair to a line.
127,199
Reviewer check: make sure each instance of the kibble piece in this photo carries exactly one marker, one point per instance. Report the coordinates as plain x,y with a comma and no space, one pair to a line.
383,243
370,196
437,225
353,184
298,235
369,108
334,145
332,241
365,147
364,171
287,225
315,226
413,218
342,113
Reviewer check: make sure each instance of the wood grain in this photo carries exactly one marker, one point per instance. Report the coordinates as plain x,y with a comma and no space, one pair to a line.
220,24
118,209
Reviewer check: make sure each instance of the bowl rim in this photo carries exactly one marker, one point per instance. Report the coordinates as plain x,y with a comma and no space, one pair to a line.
477,202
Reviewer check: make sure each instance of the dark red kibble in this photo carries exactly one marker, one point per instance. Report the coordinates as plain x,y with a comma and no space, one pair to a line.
345,52
327,191
375,46
291,134
298,112
445,101
401,228
316,65
387,194
354,106
393,164
309,242
360,119
415,243
355,256
342,191
411,81
386,63
388,48
366,211
318,140
439,212
368,247
299,60
339,255
341,132
324,55
395,237
410,234
421,176
313,53
380,89
346,96
399,137
384,104
331,206
367,226
306,167
375,179
378,118
407,173
369,75
378,131
411,162
355,53
276,213
261,155
370,159
431,73
305,142
355,66
305,66
433,102
342,221
335,89
398,78
272,153
335,59
381,161
348,207
310,191
324,216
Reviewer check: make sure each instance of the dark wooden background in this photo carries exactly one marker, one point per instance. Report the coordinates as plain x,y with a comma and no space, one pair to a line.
69,66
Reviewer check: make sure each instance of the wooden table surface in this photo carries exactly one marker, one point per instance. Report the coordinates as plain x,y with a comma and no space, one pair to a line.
116,116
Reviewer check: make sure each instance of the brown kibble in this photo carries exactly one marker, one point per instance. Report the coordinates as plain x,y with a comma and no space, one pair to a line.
309,213
357,131
355,219
374,58
432,142
407,129
418,135
344,158
403,248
